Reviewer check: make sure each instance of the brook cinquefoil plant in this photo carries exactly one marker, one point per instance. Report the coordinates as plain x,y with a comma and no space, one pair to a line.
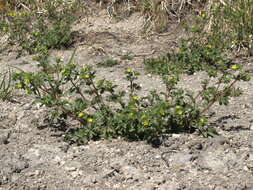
74,92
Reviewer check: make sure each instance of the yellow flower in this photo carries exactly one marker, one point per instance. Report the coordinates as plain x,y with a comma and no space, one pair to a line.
26,81
234,67
63,70
202,120
179,112
135,97
178,107
5,29
90,120
86,76
128,70
203,15
170,78
130,114
35,33
162,112
19,85
234,42
143,117
12,14
80,114
132,107
145,123
209,46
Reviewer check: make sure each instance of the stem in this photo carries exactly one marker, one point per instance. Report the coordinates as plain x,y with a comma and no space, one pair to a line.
217,88
98,95
78,90
81,94
122,104
216,98
131,87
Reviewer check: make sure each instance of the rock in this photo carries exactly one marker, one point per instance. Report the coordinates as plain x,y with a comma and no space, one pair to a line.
218,160
159,180
108,173
72,166
168,186
196,145
250,162
176,135
117,163
131,172
251,127
91,179
4,136
35,173
219,140
180,159
19,165
76,173
44,153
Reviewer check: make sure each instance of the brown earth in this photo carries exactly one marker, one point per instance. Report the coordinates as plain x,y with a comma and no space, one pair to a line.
37,158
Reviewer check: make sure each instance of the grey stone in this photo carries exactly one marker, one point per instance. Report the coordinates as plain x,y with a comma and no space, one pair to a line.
180,159
72,166
4,136
131,172
44,153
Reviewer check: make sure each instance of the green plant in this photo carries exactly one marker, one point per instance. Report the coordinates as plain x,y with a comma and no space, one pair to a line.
6,87
108,63
191,57
37,31
231,23
104,112
127,57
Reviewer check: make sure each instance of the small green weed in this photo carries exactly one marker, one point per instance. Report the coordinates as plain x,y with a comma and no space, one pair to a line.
192,57
6,87
231,24
104,112
108,63
127,57
40,31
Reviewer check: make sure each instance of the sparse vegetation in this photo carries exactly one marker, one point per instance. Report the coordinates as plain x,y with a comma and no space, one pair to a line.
104,112
108,63
39,26
6,87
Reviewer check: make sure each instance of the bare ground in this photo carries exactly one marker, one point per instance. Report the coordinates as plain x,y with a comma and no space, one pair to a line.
37,158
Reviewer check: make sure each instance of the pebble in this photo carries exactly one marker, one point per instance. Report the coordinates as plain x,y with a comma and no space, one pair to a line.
4,136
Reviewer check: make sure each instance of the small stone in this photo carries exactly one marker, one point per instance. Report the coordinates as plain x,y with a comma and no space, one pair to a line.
91,179
33,173
251,127
76,174
131,172
159,180
158,156
168,186
69,169
176,135
72,166
4,136
108,173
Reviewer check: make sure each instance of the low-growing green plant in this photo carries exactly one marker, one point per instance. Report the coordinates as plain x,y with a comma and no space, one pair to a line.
191,57
105,112
6,87
231,23
36,30
127,57
108,63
